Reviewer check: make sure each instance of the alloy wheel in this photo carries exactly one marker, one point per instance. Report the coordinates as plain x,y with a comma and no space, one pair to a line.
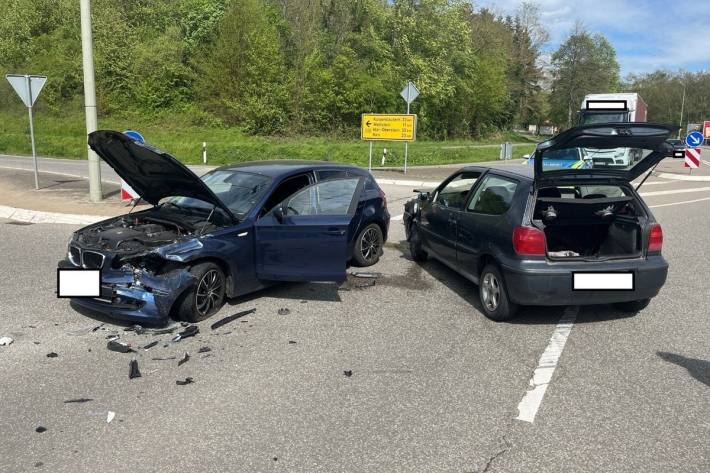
370,245
208,292
490,292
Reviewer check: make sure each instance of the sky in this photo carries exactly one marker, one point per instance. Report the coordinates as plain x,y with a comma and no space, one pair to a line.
647,34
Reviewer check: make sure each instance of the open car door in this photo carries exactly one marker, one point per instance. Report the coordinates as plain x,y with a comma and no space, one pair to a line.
305,238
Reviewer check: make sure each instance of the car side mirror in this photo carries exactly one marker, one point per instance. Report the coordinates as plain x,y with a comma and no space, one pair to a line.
423,196
279,213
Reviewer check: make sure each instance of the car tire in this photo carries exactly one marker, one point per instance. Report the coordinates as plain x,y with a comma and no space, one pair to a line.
632,306
415,245
368,246
206,297
493,293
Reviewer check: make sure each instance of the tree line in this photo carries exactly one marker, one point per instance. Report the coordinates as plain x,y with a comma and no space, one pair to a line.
313,66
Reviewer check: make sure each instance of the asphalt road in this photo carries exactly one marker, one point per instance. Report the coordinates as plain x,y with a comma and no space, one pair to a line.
435,386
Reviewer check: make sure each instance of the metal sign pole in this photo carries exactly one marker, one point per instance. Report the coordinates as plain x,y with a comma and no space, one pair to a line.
369,167
32,130
406,143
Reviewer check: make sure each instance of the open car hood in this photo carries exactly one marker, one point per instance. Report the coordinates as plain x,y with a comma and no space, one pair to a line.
152,173
649,137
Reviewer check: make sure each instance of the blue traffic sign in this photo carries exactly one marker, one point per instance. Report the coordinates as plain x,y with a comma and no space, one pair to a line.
694,139
134,135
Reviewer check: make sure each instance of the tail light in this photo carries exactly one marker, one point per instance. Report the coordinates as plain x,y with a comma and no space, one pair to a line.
529,241
655,238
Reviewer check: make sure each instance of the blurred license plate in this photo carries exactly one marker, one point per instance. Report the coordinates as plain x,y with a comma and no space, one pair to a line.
603,281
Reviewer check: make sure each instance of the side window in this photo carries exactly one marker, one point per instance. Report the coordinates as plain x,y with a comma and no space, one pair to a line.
326,174
285,189
454,194
494,196
332,197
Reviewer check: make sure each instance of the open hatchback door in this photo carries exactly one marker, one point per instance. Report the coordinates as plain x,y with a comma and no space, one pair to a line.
305,238
610,152
152,173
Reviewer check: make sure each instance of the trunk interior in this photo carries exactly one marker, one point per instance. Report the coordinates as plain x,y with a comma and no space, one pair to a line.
588,225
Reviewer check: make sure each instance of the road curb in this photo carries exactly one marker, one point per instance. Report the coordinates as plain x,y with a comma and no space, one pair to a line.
37,216
682,177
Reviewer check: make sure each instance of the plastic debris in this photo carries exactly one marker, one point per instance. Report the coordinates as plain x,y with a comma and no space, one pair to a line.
163,359
40,429
292,342
5,341
204,350
135,328
185,359
190,331
231,318
97,327
52,355
284,311
133,371
117,345
304,301
367,275
166,330
348,373
188,380
110,416
78,400
150,345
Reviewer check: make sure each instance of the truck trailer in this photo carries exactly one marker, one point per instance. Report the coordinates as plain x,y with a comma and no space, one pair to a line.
611,108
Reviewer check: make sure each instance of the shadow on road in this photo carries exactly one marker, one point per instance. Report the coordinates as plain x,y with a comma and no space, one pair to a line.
698,369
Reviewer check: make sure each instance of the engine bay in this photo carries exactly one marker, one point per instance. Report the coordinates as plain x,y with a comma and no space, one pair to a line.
130,234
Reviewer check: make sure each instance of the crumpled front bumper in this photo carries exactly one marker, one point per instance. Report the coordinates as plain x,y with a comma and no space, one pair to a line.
142,298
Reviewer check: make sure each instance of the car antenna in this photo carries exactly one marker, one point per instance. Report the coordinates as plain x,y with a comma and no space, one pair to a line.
208,220
648,174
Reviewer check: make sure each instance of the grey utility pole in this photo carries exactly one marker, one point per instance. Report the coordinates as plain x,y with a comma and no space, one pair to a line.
95,192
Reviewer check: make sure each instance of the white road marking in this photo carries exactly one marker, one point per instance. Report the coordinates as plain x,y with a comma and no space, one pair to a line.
679,203
676,191
706,162
546,366
397,217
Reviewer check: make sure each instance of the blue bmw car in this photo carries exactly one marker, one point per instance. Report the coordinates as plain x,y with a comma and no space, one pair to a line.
233,231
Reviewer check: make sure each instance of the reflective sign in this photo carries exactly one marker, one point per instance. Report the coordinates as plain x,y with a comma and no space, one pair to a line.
383,127
28,90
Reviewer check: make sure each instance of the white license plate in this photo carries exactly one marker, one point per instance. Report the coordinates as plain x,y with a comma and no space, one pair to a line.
603,281
78,282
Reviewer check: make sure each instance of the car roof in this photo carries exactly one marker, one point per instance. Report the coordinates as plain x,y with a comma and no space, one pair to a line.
274,168
526,172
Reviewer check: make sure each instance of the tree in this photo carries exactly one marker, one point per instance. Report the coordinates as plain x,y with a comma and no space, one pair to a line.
583,64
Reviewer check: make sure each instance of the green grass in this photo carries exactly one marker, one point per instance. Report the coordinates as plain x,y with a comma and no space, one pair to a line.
64,136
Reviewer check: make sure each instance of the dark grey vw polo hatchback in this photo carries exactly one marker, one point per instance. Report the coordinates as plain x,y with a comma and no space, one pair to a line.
570,229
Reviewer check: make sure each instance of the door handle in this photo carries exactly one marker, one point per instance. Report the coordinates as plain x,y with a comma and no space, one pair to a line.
335,232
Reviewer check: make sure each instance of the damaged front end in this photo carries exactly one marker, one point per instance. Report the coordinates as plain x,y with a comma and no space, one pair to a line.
144,265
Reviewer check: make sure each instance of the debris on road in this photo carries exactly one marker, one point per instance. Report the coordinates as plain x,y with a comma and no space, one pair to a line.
40,429
284,311
110,416
97,327
135,328
184,359
117,345
5,341
304,301
150,345
190,331
78,400
367,275
348,373
292,342
133,372
164,359
52,355
231,318
188,380
166,330
204,350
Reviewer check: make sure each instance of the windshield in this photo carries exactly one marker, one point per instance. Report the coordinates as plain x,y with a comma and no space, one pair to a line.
239,191
613,117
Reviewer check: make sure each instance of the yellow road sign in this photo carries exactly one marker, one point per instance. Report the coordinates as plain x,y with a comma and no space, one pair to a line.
388,127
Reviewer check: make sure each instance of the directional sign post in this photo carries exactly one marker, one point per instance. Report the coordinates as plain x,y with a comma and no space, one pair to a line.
409,94
28,88
387,127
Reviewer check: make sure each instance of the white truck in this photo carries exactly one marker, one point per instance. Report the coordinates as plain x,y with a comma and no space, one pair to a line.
613,108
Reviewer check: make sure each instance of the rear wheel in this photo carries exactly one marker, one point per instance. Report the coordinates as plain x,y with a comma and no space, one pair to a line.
494,295
368,246
632,306
415,246
208,295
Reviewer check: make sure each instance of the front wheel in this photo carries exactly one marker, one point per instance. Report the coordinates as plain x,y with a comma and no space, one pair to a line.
494,295
368,246
632,306
415,246
208,295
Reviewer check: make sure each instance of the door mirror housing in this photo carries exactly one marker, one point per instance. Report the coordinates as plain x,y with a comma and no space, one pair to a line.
279,213
423,196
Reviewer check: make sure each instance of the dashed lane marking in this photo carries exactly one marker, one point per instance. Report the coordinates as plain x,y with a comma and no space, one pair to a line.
542,377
